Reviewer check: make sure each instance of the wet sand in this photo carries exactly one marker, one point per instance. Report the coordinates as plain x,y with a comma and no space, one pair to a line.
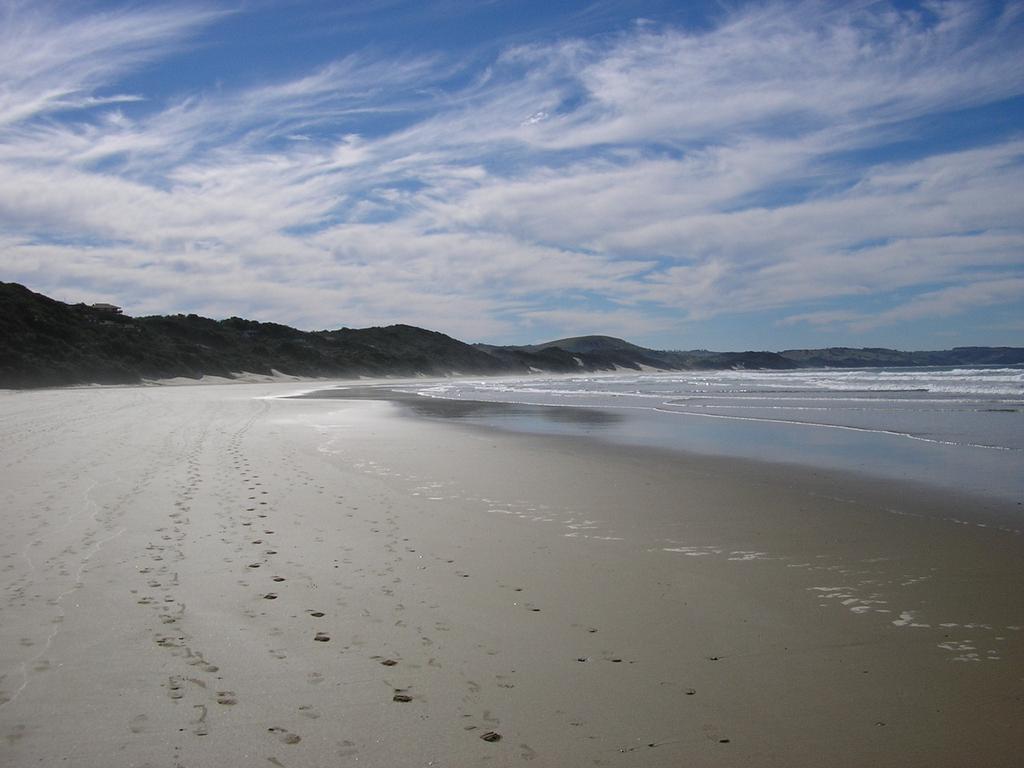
196,576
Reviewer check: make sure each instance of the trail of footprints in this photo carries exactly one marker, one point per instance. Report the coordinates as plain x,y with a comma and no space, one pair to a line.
246,528
247,531
159,566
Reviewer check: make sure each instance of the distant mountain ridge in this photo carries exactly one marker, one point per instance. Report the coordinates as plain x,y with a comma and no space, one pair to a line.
608,351
846,357
44,342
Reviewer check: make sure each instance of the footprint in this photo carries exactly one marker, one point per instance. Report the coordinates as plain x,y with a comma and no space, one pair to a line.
321,637
174,688
226,697
138,724
287,737
200,724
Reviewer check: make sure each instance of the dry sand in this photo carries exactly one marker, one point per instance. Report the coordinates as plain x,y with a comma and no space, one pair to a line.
201,576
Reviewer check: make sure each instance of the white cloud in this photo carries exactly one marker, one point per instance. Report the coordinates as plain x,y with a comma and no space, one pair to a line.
49,63
947,302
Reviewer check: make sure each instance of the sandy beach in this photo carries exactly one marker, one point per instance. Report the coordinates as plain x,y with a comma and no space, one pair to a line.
214,576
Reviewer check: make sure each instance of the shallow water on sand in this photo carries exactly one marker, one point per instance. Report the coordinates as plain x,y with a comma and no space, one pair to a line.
955,428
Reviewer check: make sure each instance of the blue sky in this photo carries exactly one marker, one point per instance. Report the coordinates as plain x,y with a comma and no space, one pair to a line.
725,175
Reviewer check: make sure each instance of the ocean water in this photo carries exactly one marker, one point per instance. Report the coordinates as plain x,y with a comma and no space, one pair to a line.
952,427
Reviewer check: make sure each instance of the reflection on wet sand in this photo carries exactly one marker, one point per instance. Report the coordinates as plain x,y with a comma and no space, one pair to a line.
465,409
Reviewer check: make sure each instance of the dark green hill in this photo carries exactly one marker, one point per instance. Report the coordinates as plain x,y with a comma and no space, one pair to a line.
48,343
585,353
590,345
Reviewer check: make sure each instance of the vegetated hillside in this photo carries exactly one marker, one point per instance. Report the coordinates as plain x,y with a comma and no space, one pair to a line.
48,343
590,345
583,353
44,342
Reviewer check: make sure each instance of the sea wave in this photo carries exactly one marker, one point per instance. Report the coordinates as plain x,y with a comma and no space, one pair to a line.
984,382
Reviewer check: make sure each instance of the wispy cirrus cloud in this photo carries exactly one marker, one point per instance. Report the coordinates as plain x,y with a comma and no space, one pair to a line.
941,303
51,64
639,182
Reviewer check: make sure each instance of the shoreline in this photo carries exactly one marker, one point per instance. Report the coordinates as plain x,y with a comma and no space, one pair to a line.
1001,512
200,576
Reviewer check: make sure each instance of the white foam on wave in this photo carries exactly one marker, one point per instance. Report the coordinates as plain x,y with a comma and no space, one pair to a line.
966,381
906,619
